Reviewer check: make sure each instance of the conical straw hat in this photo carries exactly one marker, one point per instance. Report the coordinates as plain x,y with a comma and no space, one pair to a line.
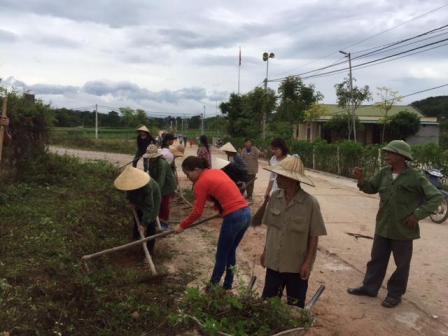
152,152
178,150
218,163
293,168
228,147
131,178
143,129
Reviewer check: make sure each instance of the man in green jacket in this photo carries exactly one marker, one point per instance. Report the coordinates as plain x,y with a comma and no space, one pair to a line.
406,197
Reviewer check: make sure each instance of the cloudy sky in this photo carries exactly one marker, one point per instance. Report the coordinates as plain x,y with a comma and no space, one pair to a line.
174,57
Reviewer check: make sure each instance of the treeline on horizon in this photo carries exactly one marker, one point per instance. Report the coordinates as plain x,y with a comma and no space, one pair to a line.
64,117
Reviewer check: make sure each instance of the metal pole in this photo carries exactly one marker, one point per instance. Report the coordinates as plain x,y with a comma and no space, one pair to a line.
351,95
96,121
202,121
263,127
239,71
3,128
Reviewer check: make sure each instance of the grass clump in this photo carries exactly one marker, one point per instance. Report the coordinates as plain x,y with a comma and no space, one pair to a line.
243,314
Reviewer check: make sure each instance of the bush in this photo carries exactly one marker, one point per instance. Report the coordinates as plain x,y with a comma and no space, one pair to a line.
29,128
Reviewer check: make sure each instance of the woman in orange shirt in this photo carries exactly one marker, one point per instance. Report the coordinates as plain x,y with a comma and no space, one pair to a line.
214,185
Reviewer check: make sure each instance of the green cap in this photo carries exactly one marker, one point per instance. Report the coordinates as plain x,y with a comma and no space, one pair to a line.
399,147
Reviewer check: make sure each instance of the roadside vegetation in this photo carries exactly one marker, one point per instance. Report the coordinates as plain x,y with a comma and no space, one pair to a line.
55,209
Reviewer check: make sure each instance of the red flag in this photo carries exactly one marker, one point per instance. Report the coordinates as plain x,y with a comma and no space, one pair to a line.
239,58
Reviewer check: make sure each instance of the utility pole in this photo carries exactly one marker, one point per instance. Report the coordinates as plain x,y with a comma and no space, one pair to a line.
202,121
3,128
351,109
266,57
96,121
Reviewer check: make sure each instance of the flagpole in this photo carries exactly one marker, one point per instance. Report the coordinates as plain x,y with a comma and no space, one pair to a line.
239,71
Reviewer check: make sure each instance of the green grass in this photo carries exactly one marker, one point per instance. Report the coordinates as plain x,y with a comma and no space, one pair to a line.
116,140
110,140
61,211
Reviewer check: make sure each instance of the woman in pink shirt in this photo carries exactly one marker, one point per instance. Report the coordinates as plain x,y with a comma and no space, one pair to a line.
214,185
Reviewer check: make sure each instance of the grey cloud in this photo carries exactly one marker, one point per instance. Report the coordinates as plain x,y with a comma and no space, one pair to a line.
7,36
211,35
225,60
49,89
115,14
119,91
40,89
219,96
133,91
57,41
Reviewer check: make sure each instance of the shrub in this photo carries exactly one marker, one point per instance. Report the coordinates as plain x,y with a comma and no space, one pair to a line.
29,128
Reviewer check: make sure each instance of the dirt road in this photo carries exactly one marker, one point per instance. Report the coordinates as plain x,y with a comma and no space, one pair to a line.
340,262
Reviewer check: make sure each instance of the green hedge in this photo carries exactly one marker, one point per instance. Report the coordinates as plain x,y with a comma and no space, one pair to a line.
342,157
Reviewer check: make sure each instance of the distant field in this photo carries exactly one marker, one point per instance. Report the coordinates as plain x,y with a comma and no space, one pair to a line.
103,133
116,140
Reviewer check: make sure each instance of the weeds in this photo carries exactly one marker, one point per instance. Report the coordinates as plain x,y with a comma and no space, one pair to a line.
61,210
239,315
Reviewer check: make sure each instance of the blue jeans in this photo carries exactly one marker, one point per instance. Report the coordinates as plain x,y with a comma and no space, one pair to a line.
232,231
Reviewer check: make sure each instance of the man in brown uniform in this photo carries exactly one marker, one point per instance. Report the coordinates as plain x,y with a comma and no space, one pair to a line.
294,224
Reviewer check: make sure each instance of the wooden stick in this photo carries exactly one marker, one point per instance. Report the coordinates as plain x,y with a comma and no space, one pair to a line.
359,235
159,226
258,217
145,247
2,128
138,242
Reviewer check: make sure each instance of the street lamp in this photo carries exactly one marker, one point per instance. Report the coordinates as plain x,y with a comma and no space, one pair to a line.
266,57
352,112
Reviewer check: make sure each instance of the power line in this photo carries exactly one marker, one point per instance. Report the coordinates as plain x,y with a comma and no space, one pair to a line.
370,62
423,91
379,49
381,32
403,41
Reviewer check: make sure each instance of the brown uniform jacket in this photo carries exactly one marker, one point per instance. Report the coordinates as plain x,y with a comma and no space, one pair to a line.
289,227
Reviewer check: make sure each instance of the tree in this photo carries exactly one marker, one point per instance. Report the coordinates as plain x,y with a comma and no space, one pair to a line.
128,116
244,113
388,98
256,103
195,122
337,125
113,119
350,100
433,107
403,125
140,118
295,99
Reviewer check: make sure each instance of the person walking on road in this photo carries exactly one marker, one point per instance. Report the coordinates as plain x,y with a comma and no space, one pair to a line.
294,224
406,197
280,151
204,149
214,185
250,155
